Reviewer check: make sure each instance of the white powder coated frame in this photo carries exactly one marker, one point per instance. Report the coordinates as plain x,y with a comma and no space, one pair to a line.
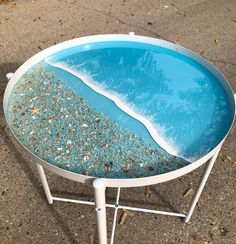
99,185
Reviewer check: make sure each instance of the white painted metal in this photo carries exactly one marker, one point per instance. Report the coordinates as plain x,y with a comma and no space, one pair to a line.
117,37
62,199
202,183
235,101
115,216
131,33
44,183
99,192
153,211
100,204
72,200
120,207
9,75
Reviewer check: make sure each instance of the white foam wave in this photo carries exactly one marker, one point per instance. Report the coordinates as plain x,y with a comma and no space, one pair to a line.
116,98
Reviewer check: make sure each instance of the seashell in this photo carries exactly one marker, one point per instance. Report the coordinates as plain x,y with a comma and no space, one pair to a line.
86,158
107,167
85,126
44,139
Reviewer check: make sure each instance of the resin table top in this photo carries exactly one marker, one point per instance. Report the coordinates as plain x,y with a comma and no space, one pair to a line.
119,110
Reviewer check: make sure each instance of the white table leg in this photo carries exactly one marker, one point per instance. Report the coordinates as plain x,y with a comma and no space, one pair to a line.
100,204
201,185
44,183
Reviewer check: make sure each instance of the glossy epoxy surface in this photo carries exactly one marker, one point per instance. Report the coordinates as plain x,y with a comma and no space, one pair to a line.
185,103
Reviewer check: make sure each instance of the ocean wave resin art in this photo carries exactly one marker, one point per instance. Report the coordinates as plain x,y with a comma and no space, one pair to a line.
119,110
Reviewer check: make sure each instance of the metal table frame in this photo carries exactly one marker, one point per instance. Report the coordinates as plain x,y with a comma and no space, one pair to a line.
99,184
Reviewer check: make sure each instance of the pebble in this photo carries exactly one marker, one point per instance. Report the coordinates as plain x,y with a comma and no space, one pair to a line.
98,120
85,126
107,167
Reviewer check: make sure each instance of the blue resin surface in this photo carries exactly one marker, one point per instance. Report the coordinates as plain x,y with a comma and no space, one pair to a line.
65,122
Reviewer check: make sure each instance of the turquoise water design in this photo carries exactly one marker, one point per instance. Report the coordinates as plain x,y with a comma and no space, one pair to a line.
60,127
184,101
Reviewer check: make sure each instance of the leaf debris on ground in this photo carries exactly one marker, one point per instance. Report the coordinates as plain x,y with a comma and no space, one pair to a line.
225,158
199,203
188,192
200,239
148,191
11,240
91,238
5,1
126,213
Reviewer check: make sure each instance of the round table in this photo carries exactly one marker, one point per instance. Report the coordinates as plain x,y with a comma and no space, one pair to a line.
119,111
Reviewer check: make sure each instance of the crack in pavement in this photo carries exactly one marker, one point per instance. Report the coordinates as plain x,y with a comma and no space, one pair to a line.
121,21
216,60
221,61
140,27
